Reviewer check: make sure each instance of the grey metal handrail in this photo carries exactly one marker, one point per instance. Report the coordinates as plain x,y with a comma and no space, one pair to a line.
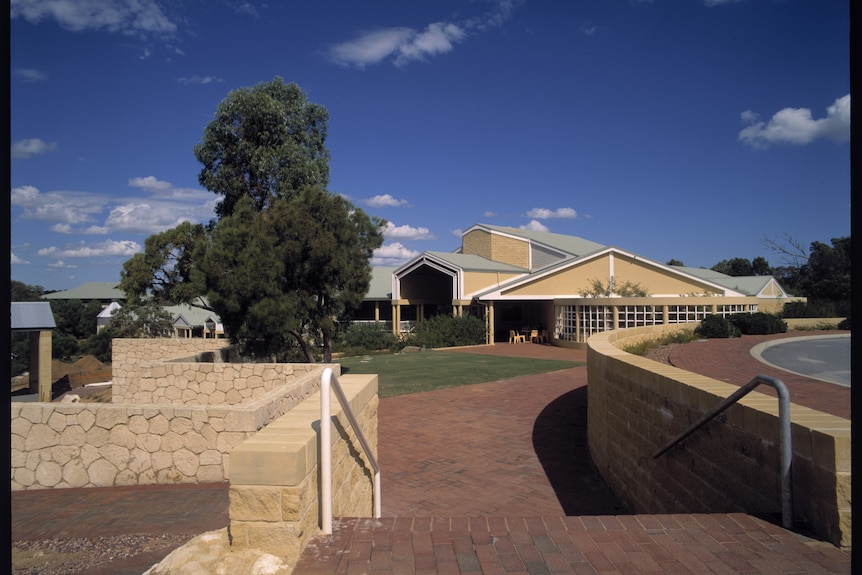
784,424
329,381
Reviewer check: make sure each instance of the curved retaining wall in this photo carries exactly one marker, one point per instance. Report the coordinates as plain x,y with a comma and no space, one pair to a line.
636,406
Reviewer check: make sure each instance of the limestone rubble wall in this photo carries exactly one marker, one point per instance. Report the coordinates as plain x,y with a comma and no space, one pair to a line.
143,441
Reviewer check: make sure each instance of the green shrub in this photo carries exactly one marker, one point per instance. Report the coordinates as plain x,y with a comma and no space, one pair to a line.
716,326
448,331
369,336
643,346
758,323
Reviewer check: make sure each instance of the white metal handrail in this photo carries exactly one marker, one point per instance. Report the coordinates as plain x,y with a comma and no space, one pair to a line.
328,381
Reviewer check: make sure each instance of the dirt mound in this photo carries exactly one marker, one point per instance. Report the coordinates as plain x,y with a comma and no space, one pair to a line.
86,370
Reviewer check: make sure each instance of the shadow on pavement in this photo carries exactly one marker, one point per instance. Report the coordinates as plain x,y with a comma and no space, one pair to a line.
560,443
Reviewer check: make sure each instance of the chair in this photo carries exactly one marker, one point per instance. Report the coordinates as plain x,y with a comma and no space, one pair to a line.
543,337
515,337
534,336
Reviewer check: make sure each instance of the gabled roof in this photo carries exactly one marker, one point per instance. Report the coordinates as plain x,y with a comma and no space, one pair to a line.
32,316
571,245
191,315
89,291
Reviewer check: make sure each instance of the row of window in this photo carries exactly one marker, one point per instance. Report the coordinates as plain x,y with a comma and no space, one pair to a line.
579,322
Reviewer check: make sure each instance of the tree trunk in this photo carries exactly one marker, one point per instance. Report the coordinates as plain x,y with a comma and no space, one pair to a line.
303,345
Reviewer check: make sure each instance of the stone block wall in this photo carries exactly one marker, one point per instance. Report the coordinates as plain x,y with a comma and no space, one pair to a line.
274,491
636,406
56,445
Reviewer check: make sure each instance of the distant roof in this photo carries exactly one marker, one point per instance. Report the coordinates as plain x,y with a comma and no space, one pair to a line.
750,285
32,316
89,291
192,315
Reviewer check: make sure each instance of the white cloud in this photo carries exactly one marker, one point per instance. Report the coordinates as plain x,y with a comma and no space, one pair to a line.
61,265
146,217
384,200
559,213
393,254
797,126
15,260
23,149
712,3
588,29
407,232
61,207
404,45
193,80
83,250
535,226
117,16
29,74
80,212
489,214
150,183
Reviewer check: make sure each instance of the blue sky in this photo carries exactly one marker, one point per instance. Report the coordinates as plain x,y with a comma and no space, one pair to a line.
685,129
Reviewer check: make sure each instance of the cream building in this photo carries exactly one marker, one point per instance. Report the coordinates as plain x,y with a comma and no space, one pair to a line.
571,287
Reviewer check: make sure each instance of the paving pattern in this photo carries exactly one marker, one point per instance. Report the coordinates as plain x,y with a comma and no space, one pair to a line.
489,478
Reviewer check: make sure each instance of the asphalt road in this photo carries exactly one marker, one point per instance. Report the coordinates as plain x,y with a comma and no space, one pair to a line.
826,358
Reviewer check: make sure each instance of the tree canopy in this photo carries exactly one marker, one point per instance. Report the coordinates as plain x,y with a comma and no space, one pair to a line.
265,142
285,258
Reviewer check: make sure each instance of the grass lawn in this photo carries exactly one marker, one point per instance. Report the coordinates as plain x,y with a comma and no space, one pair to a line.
403,373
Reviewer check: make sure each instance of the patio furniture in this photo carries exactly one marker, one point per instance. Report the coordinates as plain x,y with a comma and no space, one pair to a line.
515,337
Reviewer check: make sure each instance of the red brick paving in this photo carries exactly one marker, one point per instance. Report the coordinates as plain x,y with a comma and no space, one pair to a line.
730,360
495,478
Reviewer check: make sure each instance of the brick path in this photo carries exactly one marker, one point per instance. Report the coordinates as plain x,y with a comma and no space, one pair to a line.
495,478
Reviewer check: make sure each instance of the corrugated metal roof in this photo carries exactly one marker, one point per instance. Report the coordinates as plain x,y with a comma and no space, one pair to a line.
750,285
32,316
381,284
572,245
89,291
474,263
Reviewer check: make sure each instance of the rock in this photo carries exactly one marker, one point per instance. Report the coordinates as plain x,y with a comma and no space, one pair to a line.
210,553
71,398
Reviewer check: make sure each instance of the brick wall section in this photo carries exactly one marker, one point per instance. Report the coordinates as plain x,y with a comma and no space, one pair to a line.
59,445
274,492
636,406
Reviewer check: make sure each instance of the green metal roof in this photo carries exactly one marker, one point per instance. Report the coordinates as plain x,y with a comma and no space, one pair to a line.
474,263
749,285
89,291
381,284
569,244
